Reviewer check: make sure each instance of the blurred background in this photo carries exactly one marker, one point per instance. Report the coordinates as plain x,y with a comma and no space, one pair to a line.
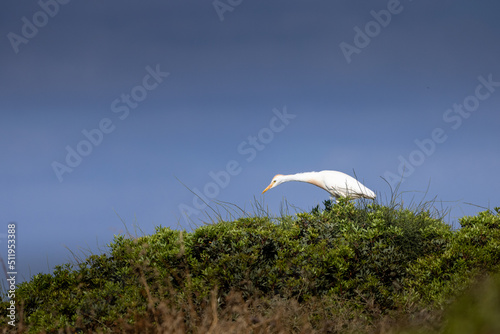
114,114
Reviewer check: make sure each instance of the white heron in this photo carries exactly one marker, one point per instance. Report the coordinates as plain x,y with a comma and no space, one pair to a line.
336,183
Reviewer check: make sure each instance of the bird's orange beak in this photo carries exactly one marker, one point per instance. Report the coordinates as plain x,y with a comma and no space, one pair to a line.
268,187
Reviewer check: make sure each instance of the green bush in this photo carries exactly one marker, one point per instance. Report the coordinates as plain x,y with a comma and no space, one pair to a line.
471,251
368,259
477,311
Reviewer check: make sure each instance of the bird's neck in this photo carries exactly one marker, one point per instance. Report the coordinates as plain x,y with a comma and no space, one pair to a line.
301,177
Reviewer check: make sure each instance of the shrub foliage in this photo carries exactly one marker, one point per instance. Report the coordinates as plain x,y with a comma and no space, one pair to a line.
366,260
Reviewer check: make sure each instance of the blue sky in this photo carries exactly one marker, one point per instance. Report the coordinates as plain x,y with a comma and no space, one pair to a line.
182,92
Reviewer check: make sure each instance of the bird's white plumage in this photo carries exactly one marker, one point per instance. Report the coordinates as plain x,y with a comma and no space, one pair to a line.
336,183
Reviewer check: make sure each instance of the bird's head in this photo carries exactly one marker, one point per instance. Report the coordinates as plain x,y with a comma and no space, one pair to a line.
277,180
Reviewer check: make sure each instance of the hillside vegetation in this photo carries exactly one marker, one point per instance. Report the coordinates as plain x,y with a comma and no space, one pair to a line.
346,268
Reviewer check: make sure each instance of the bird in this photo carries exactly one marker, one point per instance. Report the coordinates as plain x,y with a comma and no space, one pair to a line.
338,184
